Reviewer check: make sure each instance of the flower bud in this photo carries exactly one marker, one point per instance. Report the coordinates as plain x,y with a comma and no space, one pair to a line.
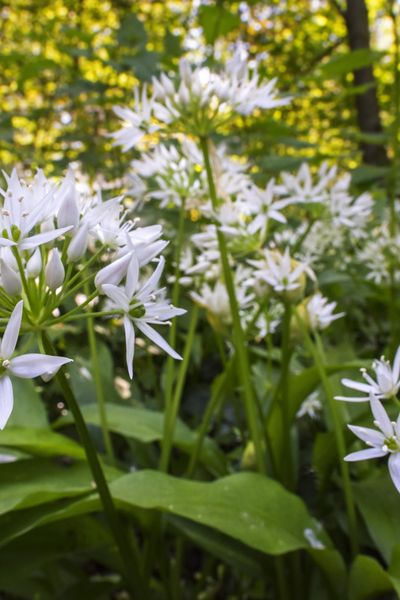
114,272
10,279
55,272
34,264
68,213
78,245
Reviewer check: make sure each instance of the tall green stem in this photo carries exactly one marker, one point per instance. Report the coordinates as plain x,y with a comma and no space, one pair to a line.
318,354
392,182
170,423
100,397
128,549
170,368
238,336
286,457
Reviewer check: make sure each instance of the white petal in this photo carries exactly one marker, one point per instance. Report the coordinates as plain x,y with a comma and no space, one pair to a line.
130,344
117,295
381,417
371,436
356,385
114,272
153,280
42,238
11,333
33,365
132,276
396,365
352,399
156,338
365,454
6,400
394,469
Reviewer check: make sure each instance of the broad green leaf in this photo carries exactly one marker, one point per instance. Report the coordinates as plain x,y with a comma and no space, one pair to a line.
216,21
36,481
29,410
147,426
351,61
379,503
248,507
333,568
40,442
367,579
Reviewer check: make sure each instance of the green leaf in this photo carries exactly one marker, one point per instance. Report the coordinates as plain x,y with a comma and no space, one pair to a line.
132,32
40,442
248,507
379,503
36,481
216,21
367,579
346,63
28,410
147,426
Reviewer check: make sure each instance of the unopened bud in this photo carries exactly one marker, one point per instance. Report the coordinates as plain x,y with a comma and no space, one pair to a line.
55,272
68,213
10,279
78,245
34,264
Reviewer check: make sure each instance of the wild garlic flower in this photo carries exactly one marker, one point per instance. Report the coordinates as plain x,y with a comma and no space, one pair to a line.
25,366
310,407
281,272
387,382
385,440
215,300
196,102
136,123
320,312
142,305
302,189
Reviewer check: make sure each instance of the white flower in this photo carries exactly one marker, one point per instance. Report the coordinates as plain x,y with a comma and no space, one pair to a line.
300,188
310,407
26,366
320,312
25,209
135,123
141,306
387,382
382,442
280,271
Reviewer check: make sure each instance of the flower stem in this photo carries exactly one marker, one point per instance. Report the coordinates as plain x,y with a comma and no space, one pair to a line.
100,397
287,463
171,417
238,335
170,368
128,549
318,354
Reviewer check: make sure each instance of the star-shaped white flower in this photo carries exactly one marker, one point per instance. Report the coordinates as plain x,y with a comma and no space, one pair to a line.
387,382
25,366
382,442
142,306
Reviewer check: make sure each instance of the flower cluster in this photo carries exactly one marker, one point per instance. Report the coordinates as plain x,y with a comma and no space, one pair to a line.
56,241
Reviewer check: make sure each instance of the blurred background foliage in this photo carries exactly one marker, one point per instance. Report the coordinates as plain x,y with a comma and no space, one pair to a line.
65,63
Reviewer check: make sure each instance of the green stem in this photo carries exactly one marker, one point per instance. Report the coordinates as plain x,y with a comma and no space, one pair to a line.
170,422
170,367
210,410
287,462
318,354
100,396
129,552
238,336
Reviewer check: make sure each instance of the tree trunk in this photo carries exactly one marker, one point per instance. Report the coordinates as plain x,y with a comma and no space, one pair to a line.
356,16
